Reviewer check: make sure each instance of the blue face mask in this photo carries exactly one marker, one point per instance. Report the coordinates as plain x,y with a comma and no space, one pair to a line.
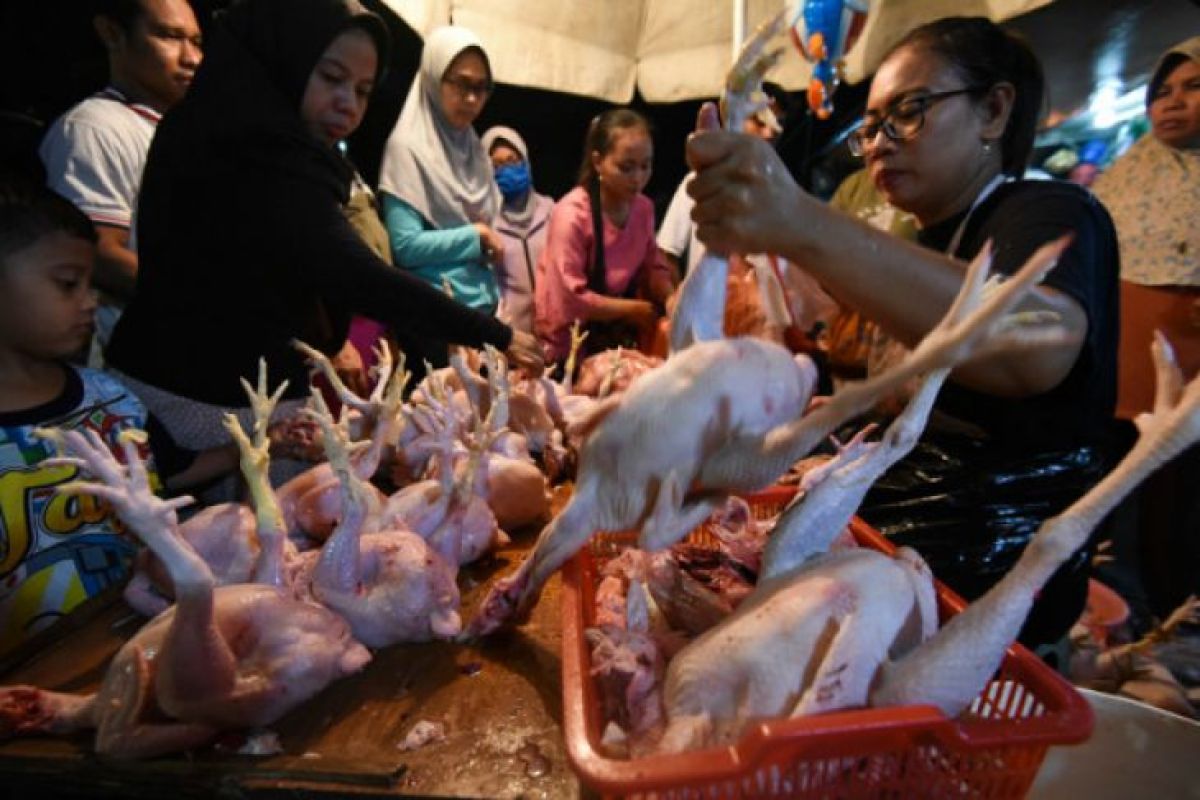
513,180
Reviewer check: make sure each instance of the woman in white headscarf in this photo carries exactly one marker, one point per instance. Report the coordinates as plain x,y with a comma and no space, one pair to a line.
522,223
436,185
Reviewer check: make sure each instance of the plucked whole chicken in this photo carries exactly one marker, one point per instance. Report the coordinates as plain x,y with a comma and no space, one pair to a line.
223,657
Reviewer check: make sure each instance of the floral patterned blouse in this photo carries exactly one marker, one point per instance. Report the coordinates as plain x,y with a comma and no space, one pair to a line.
1153,194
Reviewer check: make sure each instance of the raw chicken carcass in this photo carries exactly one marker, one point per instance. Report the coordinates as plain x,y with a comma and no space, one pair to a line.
449,510
227,536
508,480
801,643
645,446
223,657
223,535
758,663
390,585
613,372
311,501
726,416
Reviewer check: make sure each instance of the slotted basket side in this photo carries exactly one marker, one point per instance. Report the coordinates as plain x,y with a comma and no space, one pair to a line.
993,750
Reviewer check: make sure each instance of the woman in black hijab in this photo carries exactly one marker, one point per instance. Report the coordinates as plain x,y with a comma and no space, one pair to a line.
242,242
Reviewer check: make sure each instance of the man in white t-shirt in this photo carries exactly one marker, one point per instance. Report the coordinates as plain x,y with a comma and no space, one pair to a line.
94,153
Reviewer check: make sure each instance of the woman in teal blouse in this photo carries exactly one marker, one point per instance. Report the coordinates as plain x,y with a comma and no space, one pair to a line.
436,183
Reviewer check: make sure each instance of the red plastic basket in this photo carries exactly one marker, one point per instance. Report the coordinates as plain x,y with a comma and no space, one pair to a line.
994,749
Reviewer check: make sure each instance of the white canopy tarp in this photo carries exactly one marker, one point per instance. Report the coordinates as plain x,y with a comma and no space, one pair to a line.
670,50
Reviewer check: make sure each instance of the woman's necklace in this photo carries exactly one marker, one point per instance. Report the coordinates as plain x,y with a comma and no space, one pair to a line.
618,216
615,209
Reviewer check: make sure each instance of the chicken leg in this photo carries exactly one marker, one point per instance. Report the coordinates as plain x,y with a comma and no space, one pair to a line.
834,491
953,667
184,664
699,314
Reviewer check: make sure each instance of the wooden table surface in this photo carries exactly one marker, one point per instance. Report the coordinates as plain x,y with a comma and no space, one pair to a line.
501,704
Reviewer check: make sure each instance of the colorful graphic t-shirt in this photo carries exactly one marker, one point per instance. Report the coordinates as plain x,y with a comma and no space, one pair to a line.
58,550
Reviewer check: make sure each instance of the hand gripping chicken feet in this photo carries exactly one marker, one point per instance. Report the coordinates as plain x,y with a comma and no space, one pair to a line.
699,315
726,416
224,657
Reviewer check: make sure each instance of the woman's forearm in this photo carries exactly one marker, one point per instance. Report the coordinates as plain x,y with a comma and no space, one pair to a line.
907,289
747,202
604,309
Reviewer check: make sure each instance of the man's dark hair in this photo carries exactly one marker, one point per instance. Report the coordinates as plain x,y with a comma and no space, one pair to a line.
122,12
29,212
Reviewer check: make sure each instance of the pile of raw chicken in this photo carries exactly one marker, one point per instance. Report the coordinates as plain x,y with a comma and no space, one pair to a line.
283,594
257,607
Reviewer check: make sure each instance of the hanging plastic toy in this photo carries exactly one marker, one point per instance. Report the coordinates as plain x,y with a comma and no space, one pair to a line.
823,30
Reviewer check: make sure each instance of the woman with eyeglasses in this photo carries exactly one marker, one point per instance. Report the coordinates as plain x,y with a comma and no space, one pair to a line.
436,183
947,132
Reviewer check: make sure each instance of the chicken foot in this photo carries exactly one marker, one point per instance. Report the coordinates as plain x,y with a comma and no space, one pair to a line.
953,667
977,324
699,314
834,491
255,462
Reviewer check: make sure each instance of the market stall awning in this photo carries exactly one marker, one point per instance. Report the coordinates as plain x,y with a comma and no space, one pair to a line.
669,50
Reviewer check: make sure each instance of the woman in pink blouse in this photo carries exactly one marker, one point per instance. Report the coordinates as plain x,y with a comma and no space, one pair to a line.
622,285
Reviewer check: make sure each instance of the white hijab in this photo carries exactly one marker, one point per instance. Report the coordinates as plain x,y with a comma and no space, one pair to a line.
518,216
443,173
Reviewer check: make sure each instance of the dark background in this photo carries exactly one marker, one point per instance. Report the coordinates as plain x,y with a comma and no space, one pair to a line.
50,58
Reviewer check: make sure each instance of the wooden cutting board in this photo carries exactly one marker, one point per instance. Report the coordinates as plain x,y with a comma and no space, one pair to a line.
501,704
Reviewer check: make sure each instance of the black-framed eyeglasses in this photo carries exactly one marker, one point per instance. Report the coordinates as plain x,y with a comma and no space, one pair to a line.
902,120
466,88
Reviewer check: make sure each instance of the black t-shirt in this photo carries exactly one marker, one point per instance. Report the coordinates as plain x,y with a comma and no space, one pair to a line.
968,498
1019,218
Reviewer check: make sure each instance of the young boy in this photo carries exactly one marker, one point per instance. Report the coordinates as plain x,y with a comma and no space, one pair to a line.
55,551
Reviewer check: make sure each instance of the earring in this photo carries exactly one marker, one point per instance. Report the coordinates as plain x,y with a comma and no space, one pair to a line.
988,144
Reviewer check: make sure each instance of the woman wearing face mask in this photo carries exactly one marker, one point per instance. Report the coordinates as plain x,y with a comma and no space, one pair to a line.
242,239
1153,192
948,130
522,223
600,264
